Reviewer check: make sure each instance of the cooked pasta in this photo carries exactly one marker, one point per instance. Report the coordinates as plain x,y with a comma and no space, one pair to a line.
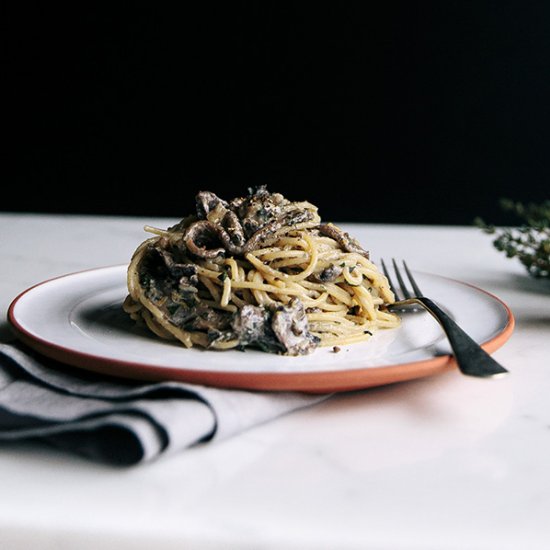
258,271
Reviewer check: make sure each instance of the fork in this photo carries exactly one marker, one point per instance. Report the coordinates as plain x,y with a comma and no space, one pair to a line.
471,358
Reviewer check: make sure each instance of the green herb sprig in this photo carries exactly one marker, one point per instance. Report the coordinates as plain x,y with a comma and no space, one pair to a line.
529,242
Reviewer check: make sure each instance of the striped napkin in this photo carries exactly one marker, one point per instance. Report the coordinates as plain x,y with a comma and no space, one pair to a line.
119,421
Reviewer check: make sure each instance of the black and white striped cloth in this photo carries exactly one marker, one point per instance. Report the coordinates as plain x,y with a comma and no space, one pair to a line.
118,421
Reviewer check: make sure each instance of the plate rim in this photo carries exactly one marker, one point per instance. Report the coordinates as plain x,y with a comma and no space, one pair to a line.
307,382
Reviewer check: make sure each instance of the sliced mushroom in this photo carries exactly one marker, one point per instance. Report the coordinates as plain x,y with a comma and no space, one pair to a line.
184,272
291,327
252,325
327,275
243,225
284,329
234,229
348,243
263,236
202,239
258,209
207,201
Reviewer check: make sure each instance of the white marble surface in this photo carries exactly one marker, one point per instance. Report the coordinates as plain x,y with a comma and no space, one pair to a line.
441,463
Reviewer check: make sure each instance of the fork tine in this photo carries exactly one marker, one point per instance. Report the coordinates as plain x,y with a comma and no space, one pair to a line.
416,289
387,274
470,357
402,284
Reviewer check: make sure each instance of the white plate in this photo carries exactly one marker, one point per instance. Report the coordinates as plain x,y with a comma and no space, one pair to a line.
78,320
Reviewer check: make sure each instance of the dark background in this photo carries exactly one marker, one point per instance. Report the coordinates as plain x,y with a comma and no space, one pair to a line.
411,112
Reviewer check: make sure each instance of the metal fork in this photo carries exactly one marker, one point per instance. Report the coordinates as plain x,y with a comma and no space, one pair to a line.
471,358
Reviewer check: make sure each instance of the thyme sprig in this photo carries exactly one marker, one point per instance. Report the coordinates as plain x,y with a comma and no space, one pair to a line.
528,242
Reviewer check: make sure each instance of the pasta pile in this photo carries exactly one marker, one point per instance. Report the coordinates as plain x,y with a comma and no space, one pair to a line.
258,271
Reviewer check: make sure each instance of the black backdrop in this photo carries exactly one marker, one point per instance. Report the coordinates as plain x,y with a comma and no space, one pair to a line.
424,112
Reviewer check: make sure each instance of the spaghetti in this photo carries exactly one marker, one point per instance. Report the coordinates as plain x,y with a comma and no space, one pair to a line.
258,271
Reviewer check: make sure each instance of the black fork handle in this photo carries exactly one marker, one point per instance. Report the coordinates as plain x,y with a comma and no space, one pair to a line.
471,358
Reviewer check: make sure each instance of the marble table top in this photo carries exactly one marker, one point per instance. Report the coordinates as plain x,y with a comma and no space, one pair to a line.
445,462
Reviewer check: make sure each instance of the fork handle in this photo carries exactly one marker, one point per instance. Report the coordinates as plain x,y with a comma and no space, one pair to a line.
471,358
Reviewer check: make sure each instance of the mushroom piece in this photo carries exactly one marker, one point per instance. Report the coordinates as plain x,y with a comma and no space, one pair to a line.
252,325
234,229
243,225
327,275
291,327
207,201
263,236
258,209
284,329
210,240
202,239
184,272
348,243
